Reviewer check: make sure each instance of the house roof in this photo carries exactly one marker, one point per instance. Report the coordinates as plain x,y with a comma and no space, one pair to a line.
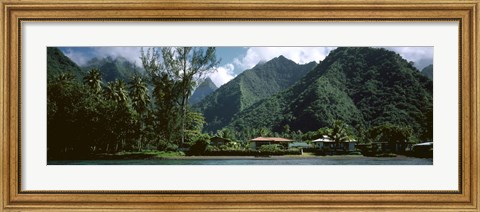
424,144
324,138
327,140
271,139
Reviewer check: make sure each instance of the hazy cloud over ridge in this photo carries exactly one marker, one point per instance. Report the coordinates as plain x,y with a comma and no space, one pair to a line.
421,56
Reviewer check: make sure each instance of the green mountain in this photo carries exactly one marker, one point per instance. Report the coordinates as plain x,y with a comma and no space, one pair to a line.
204,89
253,85
428,71
364,87
112,68
58,63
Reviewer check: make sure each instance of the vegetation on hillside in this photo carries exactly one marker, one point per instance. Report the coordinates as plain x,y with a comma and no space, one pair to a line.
89,116
204,89
364,87
113,68
428,71
249,87
364,94
58,63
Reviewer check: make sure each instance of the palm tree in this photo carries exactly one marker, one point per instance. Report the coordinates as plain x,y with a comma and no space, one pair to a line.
64,78
140,101
116,91
94,80
139,94
338,133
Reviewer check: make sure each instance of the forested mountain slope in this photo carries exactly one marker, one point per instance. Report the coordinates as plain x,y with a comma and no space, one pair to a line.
363,87
204,89
252,85
58,63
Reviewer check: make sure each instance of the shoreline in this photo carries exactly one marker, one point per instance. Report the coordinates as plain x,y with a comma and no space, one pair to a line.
278,157
256,158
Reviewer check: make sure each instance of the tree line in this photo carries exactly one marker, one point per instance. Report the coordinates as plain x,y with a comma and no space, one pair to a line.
150,111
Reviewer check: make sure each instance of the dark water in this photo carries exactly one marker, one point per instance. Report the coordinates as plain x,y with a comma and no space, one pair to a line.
328,160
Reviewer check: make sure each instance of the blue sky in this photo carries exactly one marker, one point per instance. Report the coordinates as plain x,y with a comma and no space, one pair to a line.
234,60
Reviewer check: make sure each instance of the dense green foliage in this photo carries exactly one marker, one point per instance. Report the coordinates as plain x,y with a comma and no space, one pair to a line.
364,87
428,71
204,89
58,63
390,133
246,89
174,76
81,121
89,116
366,94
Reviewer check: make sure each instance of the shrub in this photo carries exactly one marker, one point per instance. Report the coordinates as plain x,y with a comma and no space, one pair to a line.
166,146
230,146
199,145
270,148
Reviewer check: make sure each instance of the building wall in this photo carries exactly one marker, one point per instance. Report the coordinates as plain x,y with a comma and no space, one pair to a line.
319,145
351,147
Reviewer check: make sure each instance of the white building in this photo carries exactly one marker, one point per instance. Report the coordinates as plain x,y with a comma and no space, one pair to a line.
327,144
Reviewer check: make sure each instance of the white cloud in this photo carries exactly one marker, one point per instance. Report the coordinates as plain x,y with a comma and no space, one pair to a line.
421,56
77,57
299,55
222,75
132,54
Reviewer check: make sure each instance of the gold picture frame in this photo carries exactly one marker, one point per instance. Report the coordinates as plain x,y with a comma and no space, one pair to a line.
15,12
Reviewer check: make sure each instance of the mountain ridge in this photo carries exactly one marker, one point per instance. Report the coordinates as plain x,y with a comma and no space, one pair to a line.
112,68
252,85
204,89
58,63
428,71
362,86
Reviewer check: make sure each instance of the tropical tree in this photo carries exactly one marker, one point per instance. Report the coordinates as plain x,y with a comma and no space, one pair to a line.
264,132
186,66
164,118
390,133
140,101
139,94
339,132
117,91
94,80
64,78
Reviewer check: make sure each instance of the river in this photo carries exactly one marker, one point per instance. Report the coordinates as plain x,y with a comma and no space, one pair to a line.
321,160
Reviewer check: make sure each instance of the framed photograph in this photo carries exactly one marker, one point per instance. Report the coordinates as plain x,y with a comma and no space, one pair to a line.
228,105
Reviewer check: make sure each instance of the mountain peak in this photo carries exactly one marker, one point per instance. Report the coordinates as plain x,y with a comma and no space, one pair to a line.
204,89
281,58
209,82
112,68
249,87
360,86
